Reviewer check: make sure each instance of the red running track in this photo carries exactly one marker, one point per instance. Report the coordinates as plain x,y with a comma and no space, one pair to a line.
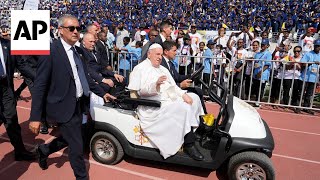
296,155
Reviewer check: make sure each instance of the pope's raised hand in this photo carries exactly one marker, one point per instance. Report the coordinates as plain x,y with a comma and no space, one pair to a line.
161,80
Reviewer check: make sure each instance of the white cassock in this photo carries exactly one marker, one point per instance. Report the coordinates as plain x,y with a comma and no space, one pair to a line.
165,126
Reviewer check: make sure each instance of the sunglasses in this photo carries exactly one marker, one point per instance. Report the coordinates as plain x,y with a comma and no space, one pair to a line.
72,28
296,51
153,35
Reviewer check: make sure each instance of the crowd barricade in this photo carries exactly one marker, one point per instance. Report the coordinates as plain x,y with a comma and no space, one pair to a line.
123,62
245,84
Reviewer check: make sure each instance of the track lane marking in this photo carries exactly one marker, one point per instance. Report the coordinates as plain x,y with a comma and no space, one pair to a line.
296,158
86,160
296,131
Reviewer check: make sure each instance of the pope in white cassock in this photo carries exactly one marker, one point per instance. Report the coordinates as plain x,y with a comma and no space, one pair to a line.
169,126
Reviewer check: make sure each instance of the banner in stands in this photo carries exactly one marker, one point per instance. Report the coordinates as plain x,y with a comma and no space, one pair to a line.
31,5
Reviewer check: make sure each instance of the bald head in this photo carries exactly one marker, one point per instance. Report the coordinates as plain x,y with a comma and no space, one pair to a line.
88,41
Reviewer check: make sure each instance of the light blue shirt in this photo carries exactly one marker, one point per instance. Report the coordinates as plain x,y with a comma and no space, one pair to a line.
312,70
207,61
136,56
125,58
267,57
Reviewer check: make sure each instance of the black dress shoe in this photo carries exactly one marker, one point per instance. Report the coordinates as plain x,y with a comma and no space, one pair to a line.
43,129
25,156
193,152
42,159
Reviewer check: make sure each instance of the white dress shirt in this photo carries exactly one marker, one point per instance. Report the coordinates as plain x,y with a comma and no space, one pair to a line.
2,59
69,52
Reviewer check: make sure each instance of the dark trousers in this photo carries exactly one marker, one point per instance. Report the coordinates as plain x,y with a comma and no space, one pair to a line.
275,89
247,85
198,92
307,94
9,117
189,138
256,88
126,74
70,136
286,91
118,87
20,88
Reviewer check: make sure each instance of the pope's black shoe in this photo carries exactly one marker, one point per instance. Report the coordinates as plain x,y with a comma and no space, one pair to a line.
42,159
193,152
25,156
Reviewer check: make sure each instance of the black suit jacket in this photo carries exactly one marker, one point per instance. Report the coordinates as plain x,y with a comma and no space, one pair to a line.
102,51
158,40
30,63
54,86
145,49
178,78
95,68
12,62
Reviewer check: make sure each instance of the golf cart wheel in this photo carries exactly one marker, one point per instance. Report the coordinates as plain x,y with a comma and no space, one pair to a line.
106,149
250,166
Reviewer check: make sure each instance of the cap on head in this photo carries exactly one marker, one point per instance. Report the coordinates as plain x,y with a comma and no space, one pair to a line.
316,42
211,42
265,42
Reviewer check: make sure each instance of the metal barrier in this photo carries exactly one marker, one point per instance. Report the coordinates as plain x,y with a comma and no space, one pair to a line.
123,59
245,84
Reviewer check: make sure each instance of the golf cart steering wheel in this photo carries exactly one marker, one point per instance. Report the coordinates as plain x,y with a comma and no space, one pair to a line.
196,75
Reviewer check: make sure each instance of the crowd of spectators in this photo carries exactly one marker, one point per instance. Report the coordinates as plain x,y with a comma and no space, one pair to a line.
206,14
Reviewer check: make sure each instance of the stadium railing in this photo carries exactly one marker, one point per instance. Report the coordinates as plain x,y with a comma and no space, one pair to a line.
240,84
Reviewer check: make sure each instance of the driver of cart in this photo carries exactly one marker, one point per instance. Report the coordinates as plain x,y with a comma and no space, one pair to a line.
170,126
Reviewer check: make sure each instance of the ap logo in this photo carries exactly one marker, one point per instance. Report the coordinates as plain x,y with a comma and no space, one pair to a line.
30,34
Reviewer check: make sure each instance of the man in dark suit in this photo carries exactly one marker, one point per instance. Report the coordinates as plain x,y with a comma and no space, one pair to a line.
8,111
183,81
103,50
30,62
165,32
152,36
107,79
62,85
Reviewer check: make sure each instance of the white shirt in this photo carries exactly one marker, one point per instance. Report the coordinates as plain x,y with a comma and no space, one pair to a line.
2,59
162,38
306,43
167,61
67,47
120,36
222,40
196,38
248,41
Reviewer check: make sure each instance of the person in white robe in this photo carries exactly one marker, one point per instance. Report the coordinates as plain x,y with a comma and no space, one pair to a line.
170,126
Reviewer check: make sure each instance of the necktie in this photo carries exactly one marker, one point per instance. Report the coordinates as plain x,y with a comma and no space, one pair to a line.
81,73
171,66
1,69
95,57
245,40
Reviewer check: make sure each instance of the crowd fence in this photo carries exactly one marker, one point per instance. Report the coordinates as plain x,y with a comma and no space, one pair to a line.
281,83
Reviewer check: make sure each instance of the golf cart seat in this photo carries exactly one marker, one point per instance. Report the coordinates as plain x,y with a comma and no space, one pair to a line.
131,100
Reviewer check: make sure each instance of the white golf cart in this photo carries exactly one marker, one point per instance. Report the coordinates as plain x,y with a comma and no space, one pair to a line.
239,145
